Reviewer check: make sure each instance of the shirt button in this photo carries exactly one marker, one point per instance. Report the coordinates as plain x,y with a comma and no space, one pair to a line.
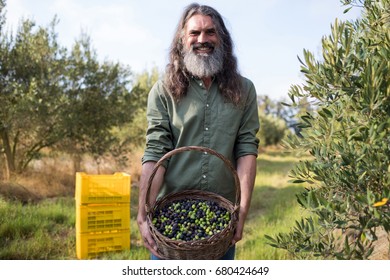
205,153
206,128
201,84
207,105
204,176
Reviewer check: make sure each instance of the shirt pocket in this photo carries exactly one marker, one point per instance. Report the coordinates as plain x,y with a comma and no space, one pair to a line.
229,118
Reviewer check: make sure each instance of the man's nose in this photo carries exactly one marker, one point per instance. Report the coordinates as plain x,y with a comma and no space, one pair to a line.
202,38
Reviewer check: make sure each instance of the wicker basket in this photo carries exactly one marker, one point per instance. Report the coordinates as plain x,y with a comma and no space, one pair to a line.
211,248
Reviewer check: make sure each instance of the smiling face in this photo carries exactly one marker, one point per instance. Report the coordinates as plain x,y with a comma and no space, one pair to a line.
200,34
202,52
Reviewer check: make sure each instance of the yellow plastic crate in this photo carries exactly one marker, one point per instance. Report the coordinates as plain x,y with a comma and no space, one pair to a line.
102,217
91,245
104,189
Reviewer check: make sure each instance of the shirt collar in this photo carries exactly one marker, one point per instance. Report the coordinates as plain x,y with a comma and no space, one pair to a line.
199,81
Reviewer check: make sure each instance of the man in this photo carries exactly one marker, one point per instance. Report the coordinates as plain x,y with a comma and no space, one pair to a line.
203,101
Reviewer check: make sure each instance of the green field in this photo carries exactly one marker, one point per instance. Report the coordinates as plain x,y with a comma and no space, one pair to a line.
46,229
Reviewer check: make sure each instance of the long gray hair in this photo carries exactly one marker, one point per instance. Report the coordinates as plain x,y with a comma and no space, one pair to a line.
177,77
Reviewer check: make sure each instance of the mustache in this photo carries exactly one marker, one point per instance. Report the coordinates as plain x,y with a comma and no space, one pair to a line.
196,46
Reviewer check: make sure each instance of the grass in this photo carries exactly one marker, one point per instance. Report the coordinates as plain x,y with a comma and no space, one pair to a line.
46,229
273,208
37,231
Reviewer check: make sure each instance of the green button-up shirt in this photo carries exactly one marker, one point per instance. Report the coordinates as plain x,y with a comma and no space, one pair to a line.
202,118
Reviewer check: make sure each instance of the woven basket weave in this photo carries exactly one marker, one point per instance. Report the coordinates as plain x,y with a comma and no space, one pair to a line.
211,248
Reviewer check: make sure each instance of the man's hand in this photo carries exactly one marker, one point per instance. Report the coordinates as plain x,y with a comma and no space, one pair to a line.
239,228
147,238
147,169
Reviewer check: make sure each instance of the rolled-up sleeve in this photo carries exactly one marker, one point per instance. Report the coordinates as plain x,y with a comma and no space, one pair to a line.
158,135
247,142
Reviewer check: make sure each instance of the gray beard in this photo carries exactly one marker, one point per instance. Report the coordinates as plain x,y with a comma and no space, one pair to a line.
205,65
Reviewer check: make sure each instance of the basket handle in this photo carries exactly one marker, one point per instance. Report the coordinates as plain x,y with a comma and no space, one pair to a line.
200,149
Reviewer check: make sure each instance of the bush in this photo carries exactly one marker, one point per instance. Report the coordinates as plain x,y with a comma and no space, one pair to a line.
272,130
349,141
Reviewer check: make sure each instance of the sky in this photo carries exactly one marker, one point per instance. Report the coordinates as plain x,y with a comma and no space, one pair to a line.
268,35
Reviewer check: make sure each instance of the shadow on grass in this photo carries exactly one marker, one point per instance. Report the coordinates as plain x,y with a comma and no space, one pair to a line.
279,167
273,210
278,153
273,202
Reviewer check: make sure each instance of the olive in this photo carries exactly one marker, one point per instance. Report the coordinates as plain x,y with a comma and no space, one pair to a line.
191,219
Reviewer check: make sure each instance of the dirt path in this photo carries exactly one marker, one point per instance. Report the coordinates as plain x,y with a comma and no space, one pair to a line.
382,247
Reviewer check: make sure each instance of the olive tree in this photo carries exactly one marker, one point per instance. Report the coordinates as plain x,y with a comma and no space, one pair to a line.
31,67
347,137
97,101
52,98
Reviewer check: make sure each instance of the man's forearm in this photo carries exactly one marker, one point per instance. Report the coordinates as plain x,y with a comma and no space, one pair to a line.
147,169
246,171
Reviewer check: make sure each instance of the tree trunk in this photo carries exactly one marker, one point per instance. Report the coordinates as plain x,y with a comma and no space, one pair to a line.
6,175
76,162
10,159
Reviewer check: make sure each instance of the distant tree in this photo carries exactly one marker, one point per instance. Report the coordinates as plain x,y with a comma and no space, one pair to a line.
132,134
348,137
98,98
31,66
293,114
2,16
266,105
273,126
272,130
55,99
